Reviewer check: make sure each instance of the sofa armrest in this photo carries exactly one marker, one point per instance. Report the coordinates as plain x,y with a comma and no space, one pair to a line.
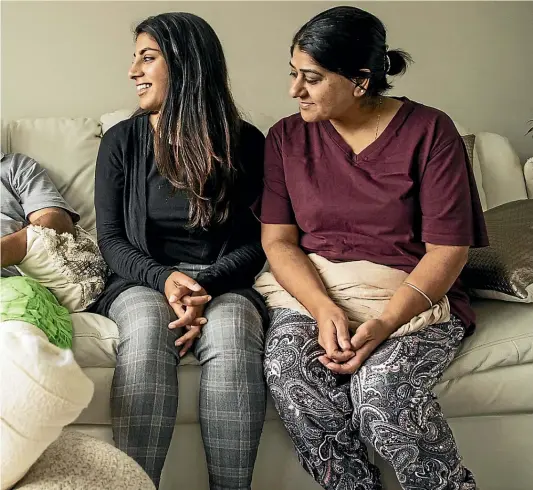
528,176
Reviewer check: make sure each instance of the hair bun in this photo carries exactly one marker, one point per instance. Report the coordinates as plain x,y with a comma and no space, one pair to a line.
396,62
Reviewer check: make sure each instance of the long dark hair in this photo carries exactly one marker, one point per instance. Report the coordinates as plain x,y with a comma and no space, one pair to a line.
198,128
346,40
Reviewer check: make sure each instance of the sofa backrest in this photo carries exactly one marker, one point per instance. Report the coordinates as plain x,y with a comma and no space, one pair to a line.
67,148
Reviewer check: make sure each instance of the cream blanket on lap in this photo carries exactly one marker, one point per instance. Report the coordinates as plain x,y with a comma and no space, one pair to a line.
361,288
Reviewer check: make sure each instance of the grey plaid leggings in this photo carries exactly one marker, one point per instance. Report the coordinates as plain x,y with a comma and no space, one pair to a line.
144,396
388,404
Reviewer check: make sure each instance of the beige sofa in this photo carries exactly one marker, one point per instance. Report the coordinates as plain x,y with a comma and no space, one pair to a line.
487,393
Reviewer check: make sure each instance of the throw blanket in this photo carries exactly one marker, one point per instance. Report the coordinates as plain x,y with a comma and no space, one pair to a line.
361,288
24,299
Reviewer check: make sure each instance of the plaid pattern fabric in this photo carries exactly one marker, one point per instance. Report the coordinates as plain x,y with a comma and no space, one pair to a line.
388,404
144,396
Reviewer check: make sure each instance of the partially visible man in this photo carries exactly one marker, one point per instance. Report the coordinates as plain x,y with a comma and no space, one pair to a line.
28,196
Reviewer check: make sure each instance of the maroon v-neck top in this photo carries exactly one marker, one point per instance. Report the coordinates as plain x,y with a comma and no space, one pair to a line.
412,185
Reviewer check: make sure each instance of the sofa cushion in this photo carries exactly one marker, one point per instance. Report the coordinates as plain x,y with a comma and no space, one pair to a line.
67,148
188,378
95,341
503,337
499,354
493,370
503,175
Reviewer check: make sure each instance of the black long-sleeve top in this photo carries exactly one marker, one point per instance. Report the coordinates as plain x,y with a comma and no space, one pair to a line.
142,222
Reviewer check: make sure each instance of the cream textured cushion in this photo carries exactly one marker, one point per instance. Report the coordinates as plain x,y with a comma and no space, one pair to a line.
67,149
71,267
42,390
79,462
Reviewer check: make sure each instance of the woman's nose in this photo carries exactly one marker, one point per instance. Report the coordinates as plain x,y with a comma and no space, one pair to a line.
296,89
134,70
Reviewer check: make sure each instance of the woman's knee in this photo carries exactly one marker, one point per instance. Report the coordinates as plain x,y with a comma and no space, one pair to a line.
142,316
233,324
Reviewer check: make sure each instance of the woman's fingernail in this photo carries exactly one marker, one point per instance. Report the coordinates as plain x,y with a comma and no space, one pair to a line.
178,343
209,298
203,322
172,298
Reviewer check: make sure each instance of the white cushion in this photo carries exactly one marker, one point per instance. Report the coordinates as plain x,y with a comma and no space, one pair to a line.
111,118
262,121
528,174
67,149
503,177
42,391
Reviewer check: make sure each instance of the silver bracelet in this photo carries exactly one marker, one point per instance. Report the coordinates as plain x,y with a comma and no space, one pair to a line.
420,291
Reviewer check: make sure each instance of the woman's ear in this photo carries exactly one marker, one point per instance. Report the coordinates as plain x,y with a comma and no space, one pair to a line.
361,84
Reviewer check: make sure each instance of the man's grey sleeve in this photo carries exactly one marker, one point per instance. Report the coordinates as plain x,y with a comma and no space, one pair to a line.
35,189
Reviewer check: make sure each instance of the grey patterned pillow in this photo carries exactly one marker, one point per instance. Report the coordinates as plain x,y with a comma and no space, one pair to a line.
504,270
470,140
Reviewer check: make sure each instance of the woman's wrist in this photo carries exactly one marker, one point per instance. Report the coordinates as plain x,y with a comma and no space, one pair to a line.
390,322
320,304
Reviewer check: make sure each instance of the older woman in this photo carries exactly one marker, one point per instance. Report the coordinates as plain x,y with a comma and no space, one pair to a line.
384,182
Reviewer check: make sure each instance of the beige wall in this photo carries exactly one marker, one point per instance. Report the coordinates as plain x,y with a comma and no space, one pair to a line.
473,59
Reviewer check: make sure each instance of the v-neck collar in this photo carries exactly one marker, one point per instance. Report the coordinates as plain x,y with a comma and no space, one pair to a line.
381,141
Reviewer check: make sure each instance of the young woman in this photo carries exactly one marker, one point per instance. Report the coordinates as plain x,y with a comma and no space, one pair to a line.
358,176
174,186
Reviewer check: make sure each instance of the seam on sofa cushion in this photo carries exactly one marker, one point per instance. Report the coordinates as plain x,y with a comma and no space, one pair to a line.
495,342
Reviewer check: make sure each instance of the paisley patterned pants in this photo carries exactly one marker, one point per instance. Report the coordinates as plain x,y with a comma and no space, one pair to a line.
387,404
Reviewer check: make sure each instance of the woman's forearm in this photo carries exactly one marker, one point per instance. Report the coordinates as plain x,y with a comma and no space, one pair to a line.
297,275
434,275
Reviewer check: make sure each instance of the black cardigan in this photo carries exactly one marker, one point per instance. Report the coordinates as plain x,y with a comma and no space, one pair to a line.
120,202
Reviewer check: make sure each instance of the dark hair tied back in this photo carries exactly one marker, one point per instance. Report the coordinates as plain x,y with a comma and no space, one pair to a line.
349,41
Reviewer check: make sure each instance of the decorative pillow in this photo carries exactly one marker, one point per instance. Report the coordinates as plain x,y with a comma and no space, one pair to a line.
77,461
470,141
24,299
69,266
504,270
42,389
